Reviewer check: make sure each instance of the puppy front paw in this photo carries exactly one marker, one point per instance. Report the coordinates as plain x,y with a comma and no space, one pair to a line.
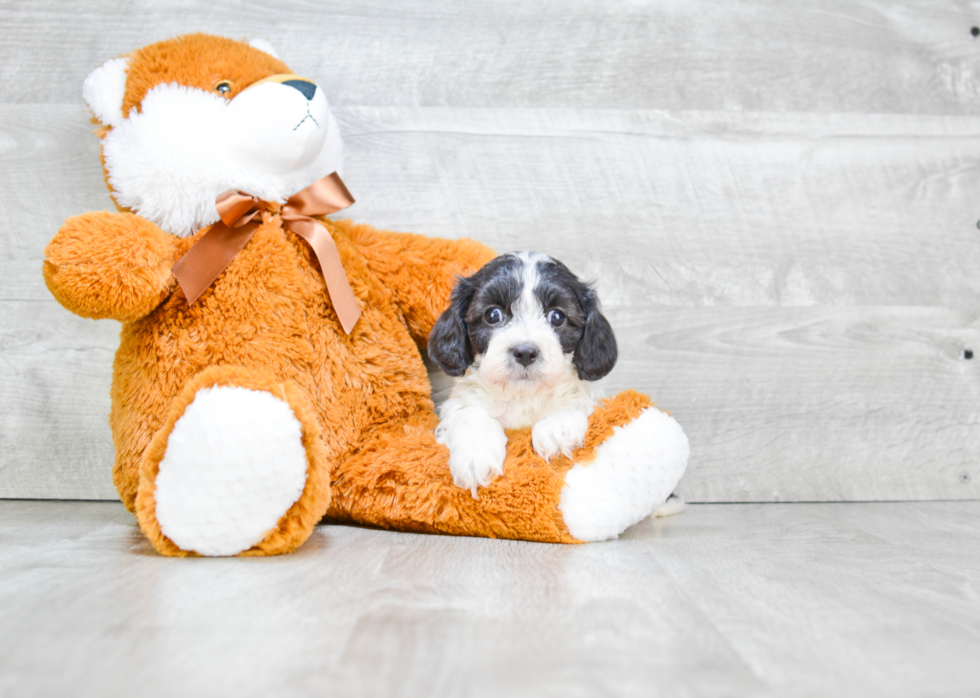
561,432
474,465
477,449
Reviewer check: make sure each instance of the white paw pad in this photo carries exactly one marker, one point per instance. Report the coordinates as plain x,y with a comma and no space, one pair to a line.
234,464
634,471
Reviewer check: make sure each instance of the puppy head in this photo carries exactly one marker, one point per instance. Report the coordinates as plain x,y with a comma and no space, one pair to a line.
523,321
189,118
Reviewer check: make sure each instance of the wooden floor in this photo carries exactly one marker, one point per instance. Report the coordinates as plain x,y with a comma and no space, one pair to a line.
724,600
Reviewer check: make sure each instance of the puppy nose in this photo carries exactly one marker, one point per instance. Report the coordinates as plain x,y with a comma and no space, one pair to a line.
304,86
525,354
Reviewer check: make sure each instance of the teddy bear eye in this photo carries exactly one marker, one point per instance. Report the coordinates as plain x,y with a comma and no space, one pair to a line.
493,316
556,318
223,87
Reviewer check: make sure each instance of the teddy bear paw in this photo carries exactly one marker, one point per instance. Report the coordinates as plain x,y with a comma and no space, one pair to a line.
234,464
632,473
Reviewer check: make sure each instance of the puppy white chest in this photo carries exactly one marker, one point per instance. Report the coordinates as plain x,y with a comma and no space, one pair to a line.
516,407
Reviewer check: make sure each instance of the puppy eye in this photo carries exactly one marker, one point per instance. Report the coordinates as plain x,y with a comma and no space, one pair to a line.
493,316
556,318
223,87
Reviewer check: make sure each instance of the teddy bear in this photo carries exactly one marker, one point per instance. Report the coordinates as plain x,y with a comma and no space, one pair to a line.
269,374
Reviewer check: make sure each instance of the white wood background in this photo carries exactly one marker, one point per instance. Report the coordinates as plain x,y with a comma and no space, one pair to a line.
780,202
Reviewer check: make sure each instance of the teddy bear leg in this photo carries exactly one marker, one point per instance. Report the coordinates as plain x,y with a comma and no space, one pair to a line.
400,479
633,457
239,468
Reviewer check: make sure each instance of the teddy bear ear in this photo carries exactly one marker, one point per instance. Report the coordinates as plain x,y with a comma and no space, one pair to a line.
104,90
263,45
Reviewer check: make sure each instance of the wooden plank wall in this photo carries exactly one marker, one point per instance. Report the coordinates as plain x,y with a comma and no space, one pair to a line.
779,201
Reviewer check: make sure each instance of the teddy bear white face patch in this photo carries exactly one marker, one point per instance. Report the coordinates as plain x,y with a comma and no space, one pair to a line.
172,158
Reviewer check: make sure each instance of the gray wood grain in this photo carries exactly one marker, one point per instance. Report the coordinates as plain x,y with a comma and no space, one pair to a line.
682,209
721,300
813,404
723,600
688,208
777,201
825,56
780,404
55,373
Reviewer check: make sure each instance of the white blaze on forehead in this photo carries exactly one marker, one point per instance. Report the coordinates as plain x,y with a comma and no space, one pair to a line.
528,307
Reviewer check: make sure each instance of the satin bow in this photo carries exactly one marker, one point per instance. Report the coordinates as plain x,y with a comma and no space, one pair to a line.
213,252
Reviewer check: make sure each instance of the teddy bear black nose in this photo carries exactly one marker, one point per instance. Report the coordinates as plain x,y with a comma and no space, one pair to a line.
525,354
304,86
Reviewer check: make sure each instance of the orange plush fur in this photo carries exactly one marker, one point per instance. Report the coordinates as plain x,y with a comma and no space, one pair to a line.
267,324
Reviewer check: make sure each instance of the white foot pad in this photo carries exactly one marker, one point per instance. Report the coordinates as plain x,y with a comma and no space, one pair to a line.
633,473
234,465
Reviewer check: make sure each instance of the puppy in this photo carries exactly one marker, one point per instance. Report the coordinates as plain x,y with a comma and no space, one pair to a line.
524,336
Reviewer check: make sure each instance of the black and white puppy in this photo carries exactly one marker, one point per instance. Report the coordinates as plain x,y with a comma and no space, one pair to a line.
524,337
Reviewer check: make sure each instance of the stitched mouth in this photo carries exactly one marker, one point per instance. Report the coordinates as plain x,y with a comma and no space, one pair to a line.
308,116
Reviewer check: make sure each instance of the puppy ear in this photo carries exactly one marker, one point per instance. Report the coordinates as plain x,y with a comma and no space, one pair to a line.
104,89
596,352
449,344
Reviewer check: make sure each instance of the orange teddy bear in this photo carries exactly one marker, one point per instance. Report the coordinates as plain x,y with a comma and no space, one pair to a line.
269,374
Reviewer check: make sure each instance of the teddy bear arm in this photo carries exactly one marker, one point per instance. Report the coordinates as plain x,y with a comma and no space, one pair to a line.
110,265
420,271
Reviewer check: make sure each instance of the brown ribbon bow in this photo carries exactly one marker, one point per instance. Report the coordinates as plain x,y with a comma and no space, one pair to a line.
210,255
